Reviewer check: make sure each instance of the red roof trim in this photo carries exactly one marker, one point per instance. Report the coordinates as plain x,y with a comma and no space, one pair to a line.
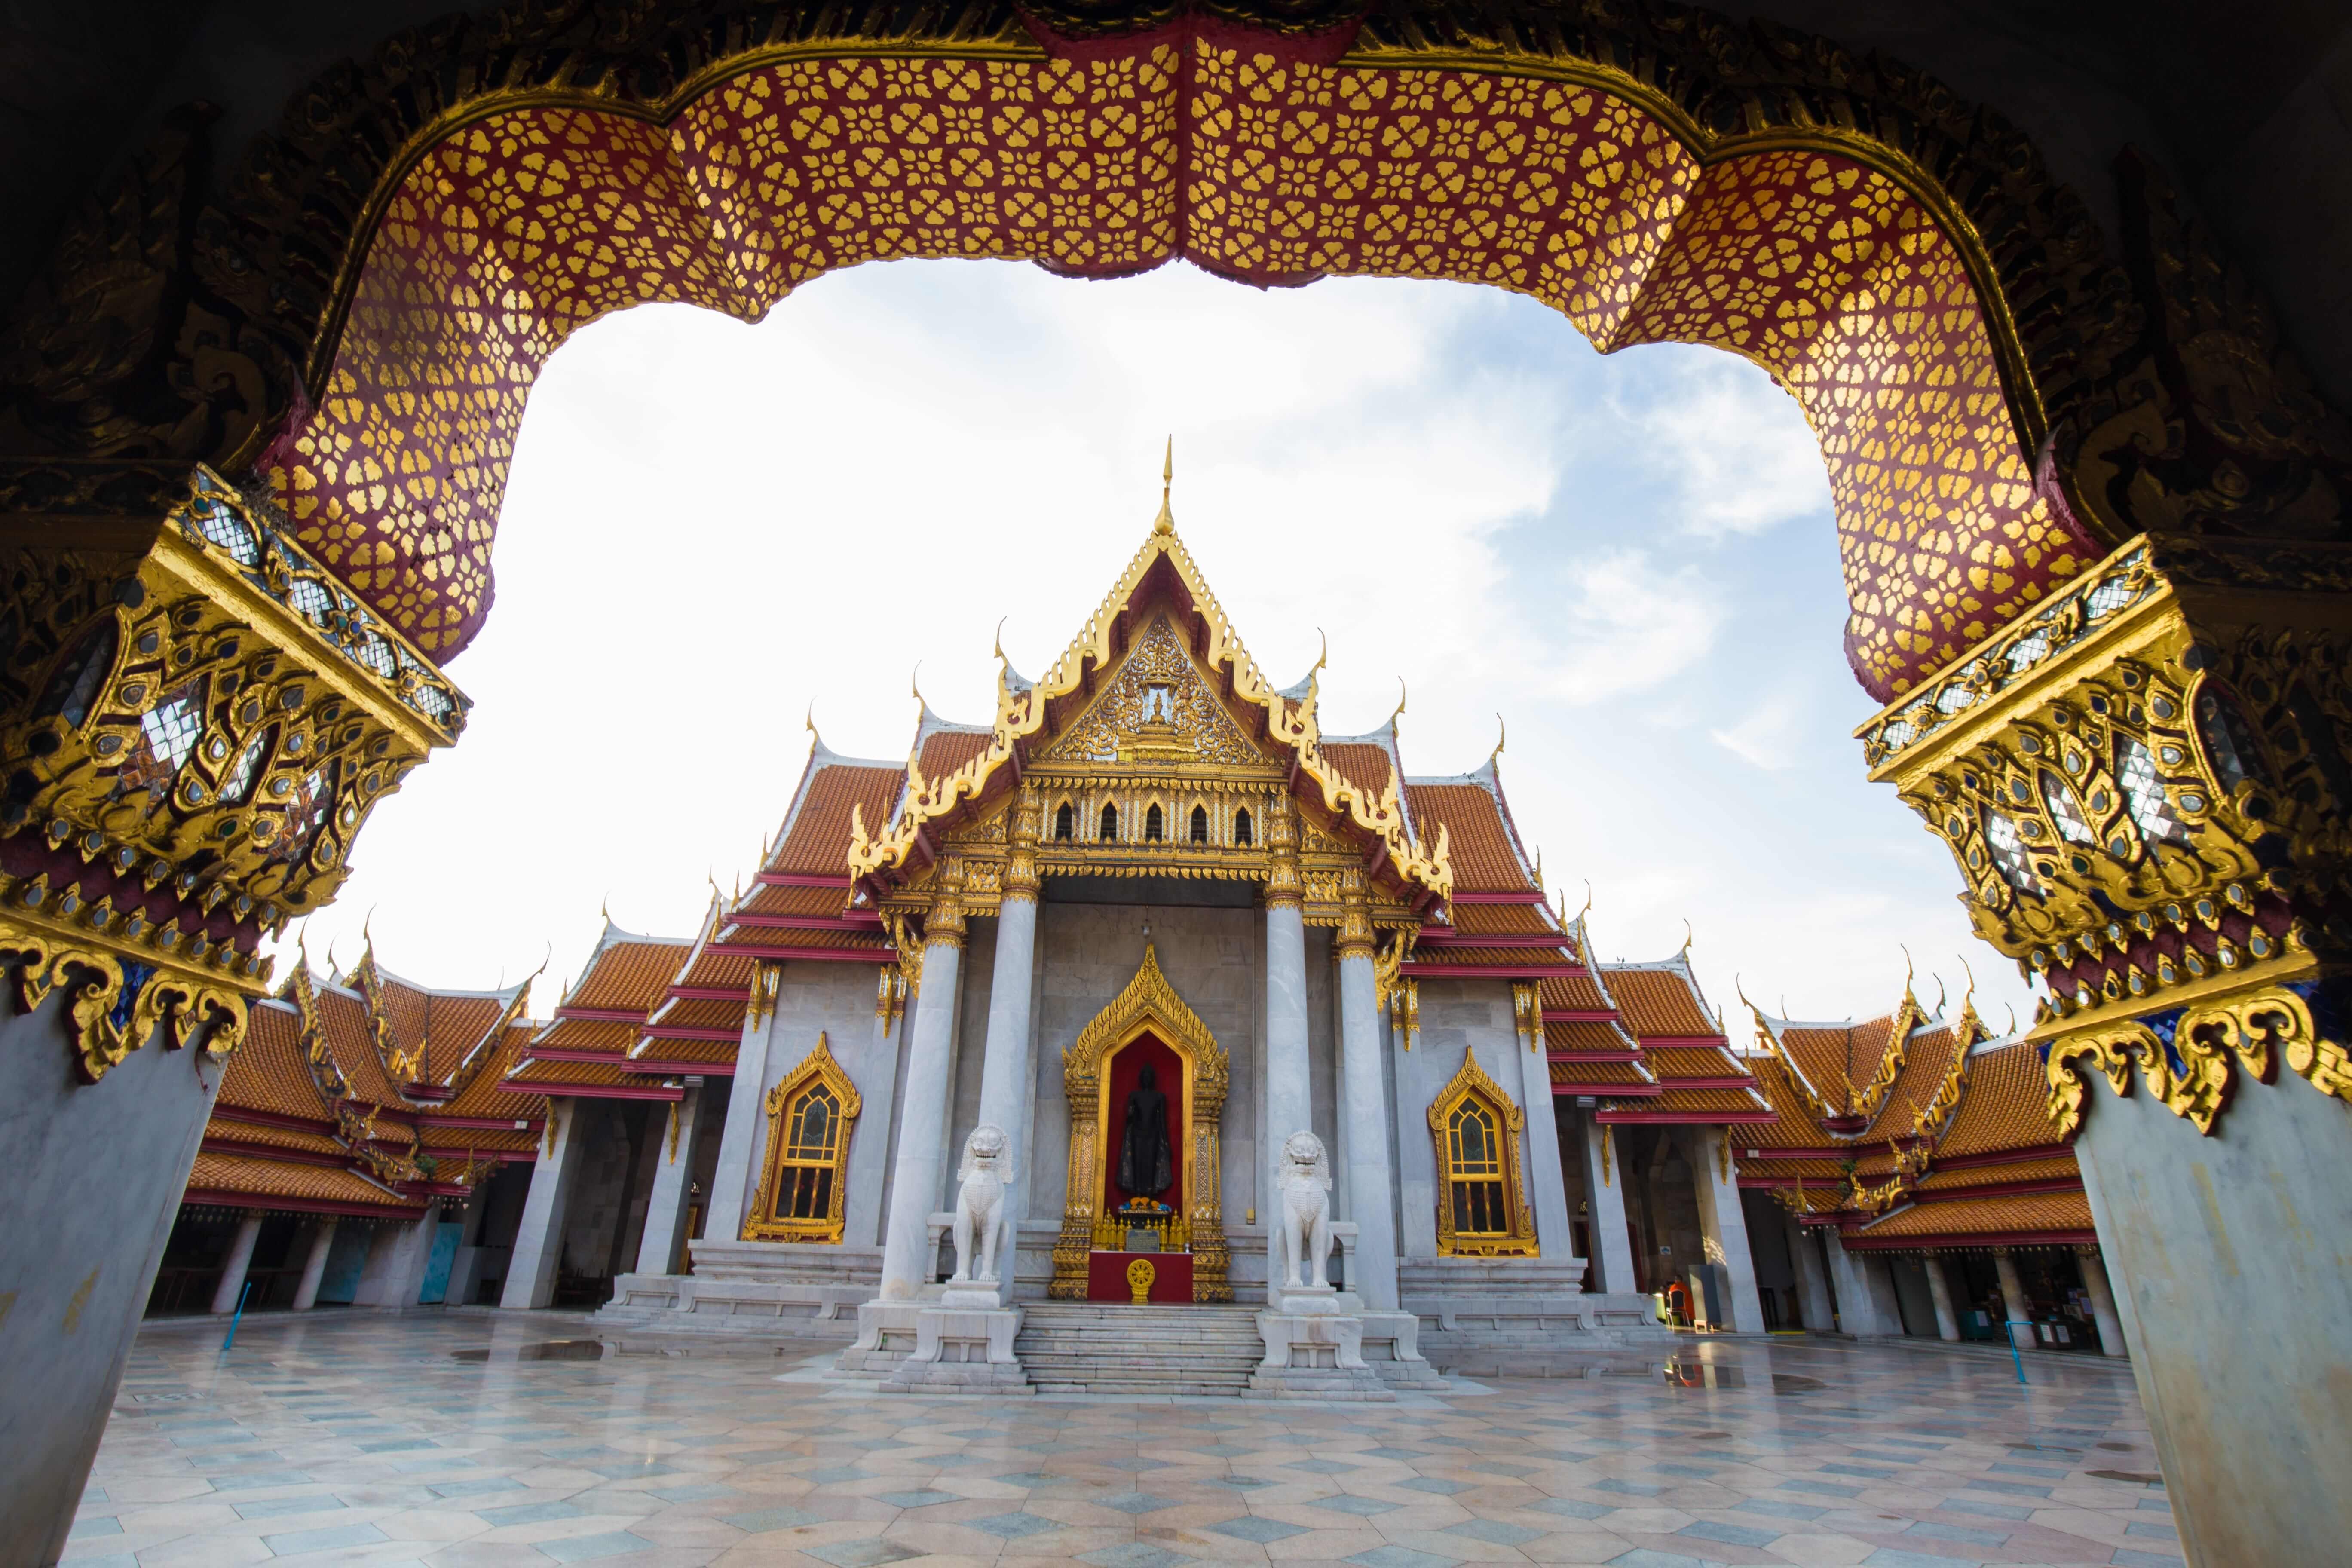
481,1123
271,1119
653,1067
607,1091
1709,1082
1608,1090
1690,1118
2006,1156
460,1152
602,1015
1493,971
1856,1241
1447,936
209,1197
563,1053
801,880
1584,1016
811,954
1995,1190
1498,898
757,921
708,993
1594,1057
338,1160
1683,1042
692,1032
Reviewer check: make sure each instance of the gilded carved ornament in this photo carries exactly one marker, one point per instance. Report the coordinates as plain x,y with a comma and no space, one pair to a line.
1506,1122
114,1005
818,1069
2191,1070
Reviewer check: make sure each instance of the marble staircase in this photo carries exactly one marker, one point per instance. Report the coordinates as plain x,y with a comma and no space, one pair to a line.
1102,1347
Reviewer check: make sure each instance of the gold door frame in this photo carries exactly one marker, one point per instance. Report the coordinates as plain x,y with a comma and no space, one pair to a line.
818,1066
1471,1082
1148,1005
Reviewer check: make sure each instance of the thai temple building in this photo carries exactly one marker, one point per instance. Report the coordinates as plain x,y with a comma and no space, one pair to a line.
1068,1013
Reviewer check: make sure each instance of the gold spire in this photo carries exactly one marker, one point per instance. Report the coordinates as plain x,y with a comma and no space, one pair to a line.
1166,521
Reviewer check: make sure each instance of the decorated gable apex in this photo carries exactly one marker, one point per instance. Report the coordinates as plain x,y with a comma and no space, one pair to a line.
1154,706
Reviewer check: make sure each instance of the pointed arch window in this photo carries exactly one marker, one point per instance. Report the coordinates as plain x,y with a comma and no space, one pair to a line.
1109,834
1242,827
1482,1207
1064,823
802,1193
1200,829
1155,825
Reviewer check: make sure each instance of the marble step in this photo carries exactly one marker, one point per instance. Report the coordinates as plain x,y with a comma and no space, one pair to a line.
1101,1347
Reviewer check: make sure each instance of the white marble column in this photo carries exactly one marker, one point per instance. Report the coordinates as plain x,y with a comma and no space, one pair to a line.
662,1246
314,1267
1813,1281
1724,1224
538,1238
1604,1203
2103,1301
240,1259
907,1253
1008,1090
1289,1108
1547,1185
1367,1169
1947,1322
745,1135
2012,1293
1865,1292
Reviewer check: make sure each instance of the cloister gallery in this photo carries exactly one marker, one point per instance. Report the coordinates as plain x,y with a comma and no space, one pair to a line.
1145,995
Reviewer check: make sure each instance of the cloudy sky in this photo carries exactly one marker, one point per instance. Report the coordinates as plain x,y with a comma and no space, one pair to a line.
713,525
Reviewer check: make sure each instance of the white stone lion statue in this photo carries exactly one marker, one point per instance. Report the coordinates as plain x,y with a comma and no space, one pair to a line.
980,1210
1302,1210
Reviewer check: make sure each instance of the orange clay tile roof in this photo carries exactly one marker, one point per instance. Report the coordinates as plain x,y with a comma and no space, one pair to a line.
440,1141
1672,1062
407,1009
454,1025
1839,1061
943,752
1507,919
547,1072
1799,1127
1580,994
2057,1168
1829,1170
296,1139
704,1052
1483,860
747,937
262,1179
767,900
1585,1037
702,1016
1363,763
588,1035
485,1096
2015,1214
2006,1105
1704,1100
267,1072
342,1018
716,965
1928,1056
1657,1001
1599,1072
628,972
1524,957
818,842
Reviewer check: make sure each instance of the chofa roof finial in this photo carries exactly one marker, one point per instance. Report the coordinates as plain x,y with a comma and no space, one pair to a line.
1166,521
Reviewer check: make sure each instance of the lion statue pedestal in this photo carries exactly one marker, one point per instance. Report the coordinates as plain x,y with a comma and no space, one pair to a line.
1313,1350
963,1342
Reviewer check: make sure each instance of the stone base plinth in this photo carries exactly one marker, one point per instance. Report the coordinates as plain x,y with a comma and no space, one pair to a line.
886,1336
1391,1346
961,1349
1315,1355
760,1289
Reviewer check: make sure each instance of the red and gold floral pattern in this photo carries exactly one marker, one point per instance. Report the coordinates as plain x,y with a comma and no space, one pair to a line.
515,230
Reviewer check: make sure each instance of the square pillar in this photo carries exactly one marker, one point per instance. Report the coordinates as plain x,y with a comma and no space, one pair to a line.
538,1238
1865,1292
662,1246
314,1266
1547,1185
1723,1224
2103,1301
1604,1201
1812,1279
1947,1322
744,1136
908,1254
239,1263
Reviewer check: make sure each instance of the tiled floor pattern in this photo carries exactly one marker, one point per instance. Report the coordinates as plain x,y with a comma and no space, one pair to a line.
363,1439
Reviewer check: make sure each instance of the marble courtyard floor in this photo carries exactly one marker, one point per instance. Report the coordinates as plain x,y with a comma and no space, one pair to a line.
455,1440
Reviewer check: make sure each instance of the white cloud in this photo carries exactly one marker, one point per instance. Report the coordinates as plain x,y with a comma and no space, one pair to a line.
1718,430
1765,737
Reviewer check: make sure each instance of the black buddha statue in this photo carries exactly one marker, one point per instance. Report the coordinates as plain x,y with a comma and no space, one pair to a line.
1144,1167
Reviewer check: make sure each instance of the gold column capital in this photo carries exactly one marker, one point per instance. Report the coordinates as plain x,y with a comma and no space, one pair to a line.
1355,938
1019,880
1285,888
943,926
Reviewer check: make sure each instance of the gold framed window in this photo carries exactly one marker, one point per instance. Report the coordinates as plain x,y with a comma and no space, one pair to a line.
803,1188
1482,1207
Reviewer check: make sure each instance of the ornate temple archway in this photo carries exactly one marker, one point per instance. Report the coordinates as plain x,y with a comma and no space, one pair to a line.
1147,1014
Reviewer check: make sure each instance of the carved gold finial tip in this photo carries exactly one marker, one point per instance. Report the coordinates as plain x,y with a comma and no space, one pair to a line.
1166,521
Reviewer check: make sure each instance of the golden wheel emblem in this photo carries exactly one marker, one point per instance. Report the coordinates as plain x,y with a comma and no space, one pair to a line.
1139,1276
